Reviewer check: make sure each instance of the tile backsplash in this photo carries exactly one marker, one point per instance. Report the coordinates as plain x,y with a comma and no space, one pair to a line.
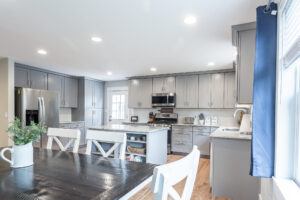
224,116
65,114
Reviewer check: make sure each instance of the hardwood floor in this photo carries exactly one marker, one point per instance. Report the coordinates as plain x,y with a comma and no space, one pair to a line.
201,188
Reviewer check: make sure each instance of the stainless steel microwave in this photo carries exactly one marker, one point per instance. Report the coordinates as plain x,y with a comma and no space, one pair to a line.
163,99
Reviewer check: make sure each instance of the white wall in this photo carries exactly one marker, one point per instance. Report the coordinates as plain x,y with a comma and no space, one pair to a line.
7,98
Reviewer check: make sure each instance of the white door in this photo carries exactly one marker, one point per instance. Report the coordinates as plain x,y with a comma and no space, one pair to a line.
117,106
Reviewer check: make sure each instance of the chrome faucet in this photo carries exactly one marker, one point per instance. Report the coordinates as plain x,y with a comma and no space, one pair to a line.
241,110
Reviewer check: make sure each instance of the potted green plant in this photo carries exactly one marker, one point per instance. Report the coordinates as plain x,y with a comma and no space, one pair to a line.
22,136
201,119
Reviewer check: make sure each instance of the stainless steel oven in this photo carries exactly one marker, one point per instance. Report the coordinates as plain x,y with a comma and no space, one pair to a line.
163,99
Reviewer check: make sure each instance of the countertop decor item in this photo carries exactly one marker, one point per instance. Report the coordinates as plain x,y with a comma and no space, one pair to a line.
189,120
201,119
22,150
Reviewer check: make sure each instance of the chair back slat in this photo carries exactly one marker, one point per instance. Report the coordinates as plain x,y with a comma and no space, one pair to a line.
118,139
72,134
165,176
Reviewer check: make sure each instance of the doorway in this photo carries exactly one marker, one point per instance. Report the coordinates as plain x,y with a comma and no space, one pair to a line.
117,105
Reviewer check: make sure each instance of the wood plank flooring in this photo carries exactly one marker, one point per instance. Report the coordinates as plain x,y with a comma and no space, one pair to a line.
201,188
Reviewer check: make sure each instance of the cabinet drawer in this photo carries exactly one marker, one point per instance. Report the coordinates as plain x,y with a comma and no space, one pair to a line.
203,129
182,128
182,146
182,135
196,133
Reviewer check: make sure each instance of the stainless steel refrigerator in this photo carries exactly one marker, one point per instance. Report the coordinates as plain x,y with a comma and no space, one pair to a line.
38,106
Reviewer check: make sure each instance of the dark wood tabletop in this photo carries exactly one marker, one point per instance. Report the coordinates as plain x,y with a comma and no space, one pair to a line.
63,175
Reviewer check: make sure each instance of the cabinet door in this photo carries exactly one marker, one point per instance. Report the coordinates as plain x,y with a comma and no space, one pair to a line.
246,65
229,90
181,92
56,83
89,117
89,93
169,84
204,91
202,142
158,84
22,77
140,91
192,91
164,85
71,92
217,90
38,80
97,117
98,94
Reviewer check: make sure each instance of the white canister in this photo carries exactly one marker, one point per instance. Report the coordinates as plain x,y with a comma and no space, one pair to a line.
21,155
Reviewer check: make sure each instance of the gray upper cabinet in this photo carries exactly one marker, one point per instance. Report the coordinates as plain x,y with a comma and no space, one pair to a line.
204,91
244,37
22,77
89,93
217,90
67,88
56,83
229,90
164,85
187,91
94,91
71,92
38,80
140,91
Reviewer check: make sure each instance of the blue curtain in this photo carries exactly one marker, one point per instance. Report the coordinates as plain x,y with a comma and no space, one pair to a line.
263,121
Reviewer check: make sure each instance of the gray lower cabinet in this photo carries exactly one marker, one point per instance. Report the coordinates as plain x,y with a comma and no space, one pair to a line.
67,88
74,125
22,77
184,137
140,91
187,91
164,84
230,166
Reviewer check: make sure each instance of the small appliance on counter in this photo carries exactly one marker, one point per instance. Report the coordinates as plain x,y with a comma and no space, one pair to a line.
151,117
134,118
188,120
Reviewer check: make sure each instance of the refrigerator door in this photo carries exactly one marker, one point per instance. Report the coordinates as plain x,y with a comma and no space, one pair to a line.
50,108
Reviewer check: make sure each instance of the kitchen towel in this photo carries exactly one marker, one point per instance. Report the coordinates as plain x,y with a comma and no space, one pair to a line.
264,91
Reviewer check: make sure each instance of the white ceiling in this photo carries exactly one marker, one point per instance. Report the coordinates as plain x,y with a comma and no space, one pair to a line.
137,34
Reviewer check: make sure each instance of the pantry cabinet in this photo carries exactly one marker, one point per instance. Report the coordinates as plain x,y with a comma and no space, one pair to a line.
164,85
187,91
140,91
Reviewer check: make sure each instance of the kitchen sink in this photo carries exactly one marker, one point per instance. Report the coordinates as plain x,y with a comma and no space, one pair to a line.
230,129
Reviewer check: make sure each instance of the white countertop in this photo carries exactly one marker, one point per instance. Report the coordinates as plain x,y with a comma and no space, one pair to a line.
70,122
219,133
129,128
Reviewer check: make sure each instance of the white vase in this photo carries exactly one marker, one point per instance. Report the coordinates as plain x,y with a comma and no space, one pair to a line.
201,122
21,155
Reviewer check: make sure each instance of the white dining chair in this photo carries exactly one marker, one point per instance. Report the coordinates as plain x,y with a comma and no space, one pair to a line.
118,139
165,176
72,134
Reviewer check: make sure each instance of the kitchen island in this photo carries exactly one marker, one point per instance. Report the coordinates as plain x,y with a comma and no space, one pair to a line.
230,165
149,140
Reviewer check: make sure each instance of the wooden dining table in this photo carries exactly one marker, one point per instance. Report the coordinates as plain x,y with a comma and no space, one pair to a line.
64,175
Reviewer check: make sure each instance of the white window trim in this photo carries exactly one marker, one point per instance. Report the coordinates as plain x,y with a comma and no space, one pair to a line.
284,188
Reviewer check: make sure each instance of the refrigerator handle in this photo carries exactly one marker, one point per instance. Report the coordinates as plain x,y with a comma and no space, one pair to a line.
43,105
40,107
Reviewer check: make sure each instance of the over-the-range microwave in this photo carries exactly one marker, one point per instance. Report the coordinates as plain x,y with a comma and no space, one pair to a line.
163,99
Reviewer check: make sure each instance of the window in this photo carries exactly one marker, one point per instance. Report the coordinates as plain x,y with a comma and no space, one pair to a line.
288,109
118,106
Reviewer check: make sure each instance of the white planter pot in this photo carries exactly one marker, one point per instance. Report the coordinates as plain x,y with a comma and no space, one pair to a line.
21,155
201,122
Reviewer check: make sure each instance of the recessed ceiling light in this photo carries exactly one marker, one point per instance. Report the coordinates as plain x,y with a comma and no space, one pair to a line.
42,52
96,39
190,19
153,69
211,64
109,73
